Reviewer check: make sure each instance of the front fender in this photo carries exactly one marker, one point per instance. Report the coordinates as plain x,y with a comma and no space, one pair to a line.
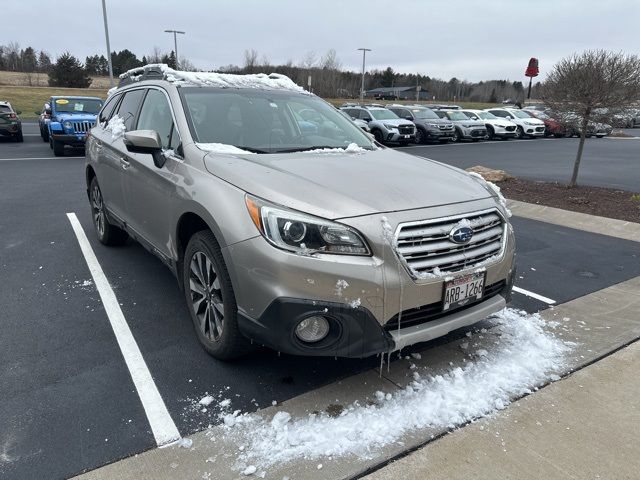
55,127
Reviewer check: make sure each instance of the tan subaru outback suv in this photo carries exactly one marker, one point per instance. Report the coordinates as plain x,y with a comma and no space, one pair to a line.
287,225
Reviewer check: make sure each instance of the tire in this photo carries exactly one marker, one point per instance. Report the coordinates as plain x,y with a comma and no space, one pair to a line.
519,133
421,136
210,298
490,132
107,233
377,135
19,138
50,143
45,135
58,148
456,136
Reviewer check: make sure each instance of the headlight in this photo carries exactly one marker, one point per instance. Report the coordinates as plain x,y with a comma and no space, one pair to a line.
302,233
390,127
67,125
434,125
527,122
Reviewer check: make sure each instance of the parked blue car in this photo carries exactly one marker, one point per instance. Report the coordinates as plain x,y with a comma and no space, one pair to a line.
71,120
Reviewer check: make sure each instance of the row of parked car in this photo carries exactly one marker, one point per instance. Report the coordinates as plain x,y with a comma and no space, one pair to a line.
403,124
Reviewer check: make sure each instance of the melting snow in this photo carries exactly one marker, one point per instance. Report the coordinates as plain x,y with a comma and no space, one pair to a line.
116,127
222,148
351,148
273,81
524,357
495,189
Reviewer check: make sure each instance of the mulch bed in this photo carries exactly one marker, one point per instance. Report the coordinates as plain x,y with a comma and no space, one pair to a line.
604,202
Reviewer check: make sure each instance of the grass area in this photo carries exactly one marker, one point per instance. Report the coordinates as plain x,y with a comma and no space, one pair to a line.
31,99
23,79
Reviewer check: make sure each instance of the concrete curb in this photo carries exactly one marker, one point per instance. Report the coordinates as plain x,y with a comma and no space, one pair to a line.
580,221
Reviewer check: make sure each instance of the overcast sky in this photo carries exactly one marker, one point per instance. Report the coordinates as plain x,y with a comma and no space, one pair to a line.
468,39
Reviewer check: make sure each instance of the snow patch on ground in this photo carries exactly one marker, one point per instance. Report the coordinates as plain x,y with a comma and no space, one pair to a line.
222,148
524,357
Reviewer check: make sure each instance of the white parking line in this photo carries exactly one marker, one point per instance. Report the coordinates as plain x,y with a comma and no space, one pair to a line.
162,425
533,295
33,158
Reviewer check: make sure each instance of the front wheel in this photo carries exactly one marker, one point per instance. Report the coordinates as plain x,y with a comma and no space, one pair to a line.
456,136
420,136
519,133
377,134
210,298
490,132
19,138
107,233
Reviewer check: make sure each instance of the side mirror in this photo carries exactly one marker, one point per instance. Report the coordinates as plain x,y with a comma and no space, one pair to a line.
509,117
48,111
18,112
145,141
409,117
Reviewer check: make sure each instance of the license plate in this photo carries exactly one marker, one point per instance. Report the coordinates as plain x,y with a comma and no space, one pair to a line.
407,136
462,290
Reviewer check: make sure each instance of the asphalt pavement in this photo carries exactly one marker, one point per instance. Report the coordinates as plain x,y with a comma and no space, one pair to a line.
67,401
606,162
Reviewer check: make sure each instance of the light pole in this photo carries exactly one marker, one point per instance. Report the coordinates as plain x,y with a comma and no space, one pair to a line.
364,54
175,44
106,34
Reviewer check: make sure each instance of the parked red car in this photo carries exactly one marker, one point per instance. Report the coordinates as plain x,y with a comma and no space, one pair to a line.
553,127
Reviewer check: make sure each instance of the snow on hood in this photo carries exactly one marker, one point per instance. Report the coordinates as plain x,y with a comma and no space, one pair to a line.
222,148
273,81
346,183
524,356
351,148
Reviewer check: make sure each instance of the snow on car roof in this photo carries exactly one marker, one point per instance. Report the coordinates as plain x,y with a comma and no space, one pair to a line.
273,81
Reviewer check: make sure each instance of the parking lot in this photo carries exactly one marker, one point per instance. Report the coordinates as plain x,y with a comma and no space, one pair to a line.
68,400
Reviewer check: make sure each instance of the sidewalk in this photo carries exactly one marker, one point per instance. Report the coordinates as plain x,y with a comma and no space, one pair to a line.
584,426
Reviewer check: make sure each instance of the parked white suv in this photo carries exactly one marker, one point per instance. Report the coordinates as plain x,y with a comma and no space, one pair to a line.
527,125
496,126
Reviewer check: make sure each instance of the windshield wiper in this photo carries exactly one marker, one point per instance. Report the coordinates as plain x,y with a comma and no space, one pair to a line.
250,149
306,149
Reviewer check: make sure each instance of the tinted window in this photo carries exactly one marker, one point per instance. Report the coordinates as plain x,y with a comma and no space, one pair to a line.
106,112
129,107
155,114
5,109
499,113
77,105
471,115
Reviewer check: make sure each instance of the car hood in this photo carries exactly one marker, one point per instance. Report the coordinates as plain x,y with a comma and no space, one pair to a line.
500,122
468,123
394,121
439,121
75,117
340,185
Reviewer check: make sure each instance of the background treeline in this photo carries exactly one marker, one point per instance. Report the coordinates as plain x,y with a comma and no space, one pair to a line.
328,79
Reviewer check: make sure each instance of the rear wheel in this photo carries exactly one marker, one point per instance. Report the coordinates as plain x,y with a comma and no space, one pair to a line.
58,148
45,135
19,138
210,298
107,233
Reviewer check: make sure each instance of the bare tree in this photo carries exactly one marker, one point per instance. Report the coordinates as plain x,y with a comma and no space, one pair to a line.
591,82
187,65
250,60
309,60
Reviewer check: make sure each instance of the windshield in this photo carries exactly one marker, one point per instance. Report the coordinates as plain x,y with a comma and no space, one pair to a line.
487,116
77,105
383,114
520,114
268,121
5,109
457,116
424,113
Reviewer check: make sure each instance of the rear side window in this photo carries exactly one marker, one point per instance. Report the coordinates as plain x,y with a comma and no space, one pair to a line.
498,113
107,110
129,107
155,114
5,109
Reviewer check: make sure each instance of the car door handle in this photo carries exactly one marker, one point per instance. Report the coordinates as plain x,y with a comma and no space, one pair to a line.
123,163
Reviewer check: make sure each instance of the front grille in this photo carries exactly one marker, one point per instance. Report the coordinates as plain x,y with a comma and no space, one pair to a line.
433,311
478,133
405,129
82,127
539,129
510,128
425,245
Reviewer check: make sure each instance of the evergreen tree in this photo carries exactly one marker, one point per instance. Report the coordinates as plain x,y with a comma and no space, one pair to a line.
44,61
68,71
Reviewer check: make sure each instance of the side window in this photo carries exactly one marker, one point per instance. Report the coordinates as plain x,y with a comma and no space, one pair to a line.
471,115
174,140
107,110
365,115
405,114
498,113
129,107
155,114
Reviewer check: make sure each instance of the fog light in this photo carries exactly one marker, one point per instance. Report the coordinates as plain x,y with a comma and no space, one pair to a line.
312,329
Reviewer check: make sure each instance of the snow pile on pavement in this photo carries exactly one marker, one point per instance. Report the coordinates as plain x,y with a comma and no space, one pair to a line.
222,148
273,81
116,127
525,356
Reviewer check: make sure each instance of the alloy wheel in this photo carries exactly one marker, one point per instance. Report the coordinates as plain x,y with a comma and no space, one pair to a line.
97,207
206,296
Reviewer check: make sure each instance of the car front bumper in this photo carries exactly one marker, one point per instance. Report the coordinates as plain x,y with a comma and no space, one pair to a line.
473,133
75,140
396,137
534,131
276,289
10,130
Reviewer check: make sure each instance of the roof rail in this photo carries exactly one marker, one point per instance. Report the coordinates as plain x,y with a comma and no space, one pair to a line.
147,72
